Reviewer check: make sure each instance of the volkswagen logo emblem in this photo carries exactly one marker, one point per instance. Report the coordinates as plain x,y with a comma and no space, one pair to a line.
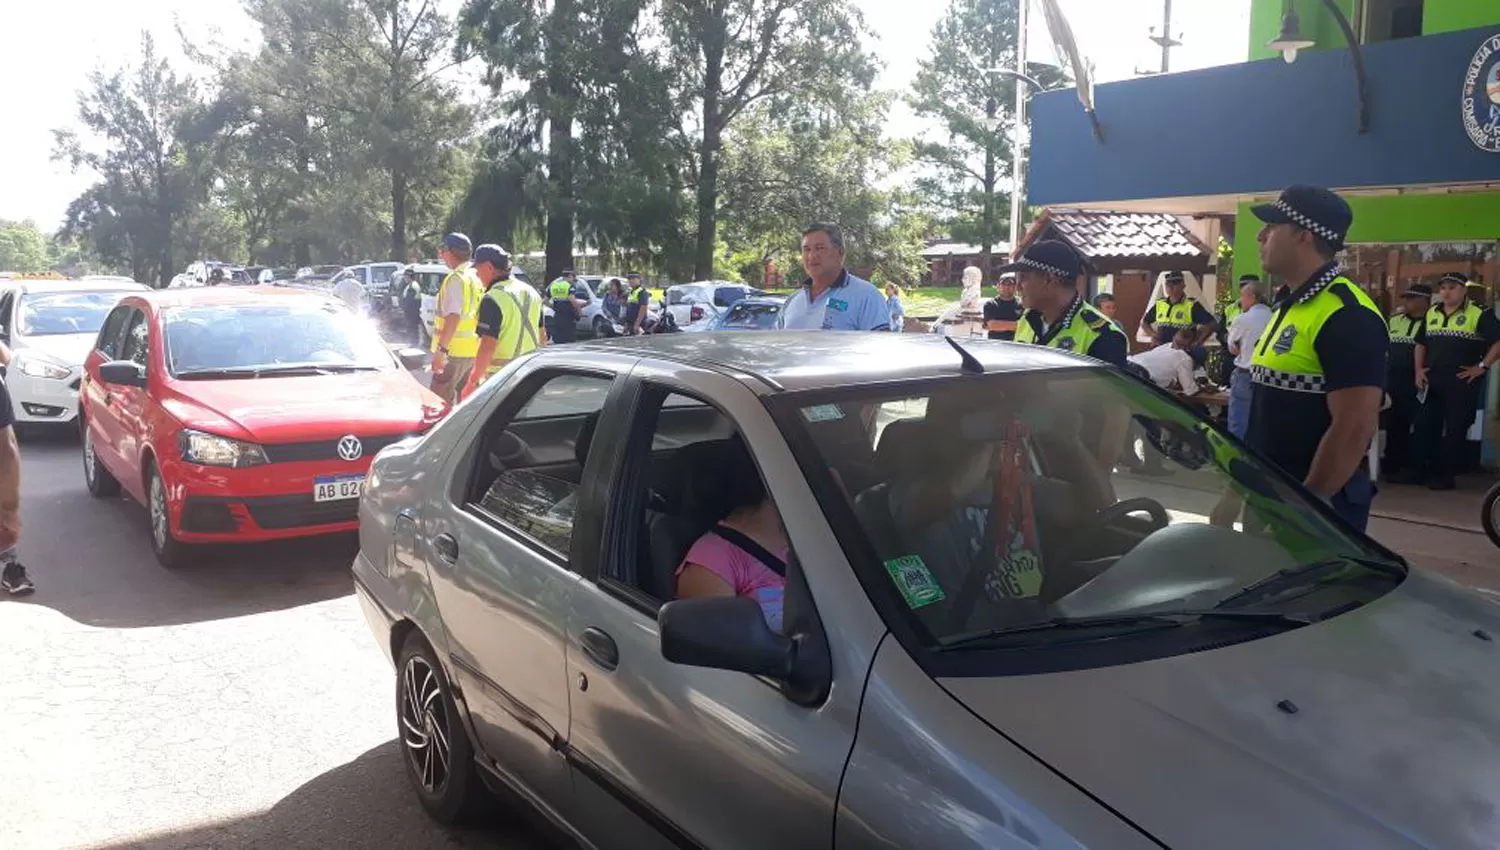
350,448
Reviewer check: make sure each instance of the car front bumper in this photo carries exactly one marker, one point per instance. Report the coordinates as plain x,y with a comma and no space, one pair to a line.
270,502
43,400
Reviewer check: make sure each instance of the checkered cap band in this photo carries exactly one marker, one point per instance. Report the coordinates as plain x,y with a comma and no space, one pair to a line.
1450,277
1041,266
1308,224
1287,380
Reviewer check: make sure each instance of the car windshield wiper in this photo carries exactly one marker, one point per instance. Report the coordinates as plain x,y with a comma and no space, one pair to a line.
1144,621
1313,573
281,370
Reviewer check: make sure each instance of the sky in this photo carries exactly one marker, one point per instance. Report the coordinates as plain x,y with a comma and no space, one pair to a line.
44,69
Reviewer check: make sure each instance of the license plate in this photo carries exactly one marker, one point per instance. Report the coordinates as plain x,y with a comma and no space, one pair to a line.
332,488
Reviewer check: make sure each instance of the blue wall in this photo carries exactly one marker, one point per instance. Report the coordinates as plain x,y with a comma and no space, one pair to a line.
1257,127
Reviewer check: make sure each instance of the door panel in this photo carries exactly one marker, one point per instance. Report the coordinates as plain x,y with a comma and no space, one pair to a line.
103,413
721,759
129,403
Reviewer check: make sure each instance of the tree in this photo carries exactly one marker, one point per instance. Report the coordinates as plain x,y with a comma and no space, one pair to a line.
731,55
23,248
971,106
150,140
779,175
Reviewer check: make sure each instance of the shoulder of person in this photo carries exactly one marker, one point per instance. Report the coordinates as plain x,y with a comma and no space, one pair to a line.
1094,319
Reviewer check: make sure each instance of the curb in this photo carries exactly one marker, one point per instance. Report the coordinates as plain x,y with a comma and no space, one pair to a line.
1427,521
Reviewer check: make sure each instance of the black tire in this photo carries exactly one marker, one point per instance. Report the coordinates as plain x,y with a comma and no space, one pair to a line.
450,790
170,553
101,484
1488,517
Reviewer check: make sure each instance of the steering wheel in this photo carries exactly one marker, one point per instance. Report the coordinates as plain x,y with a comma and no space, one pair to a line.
1107,516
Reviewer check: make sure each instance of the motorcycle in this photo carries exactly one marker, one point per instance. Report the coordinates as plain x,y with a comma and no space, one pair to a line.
1489,515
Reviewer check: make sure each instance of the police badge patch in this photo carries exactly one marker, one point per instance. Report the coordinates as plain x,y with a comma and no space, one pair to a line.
1284,341
1065,344
1462,319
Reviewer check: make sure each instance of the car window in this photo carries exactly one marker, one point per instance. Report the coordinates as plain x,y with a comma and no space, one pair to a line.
136,345
727,296
113,332
1010,501
694,473
382,274
60,313
530,464
757,316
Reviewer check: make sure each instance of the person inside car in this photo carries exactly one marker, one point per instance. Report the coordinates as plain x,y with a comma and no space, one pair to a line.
745,553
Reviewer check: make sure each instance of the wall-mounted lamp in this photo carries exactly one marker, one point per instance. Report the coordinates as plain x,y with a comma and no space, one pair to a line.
1290,40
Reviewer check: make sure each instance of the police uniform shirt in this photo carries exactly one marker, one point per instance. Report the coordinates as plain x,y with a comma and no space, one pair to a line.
1165,329
564,320
1454,344
1405,332
1288,423
1110,346
640,299
490,314
998,309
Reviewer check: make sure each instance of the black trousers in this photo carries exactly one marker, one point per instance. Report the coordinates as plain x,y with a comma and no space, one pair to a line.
1443,425
1400,419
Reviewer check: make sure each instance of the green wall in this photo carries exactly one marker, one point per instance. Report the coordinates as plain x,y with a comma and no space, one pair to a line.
1452,15
1437,16
1471,217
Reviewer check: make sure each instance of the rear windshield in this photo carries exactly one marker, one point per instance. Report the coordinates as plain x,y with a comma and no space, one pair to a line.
65,313
759,316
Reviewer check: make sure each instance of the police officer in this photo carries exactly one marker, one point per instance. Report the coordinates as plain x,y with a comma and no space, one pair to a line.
566,309
1056,314
1401,377
1319,368
1235,308
1175,312
455,340
1002,312
1457,345
637,304
411,307
510,316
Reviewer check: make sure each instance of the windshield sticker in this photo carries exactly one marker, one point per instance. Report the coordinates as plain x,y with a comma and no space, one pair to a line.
915,581
823,413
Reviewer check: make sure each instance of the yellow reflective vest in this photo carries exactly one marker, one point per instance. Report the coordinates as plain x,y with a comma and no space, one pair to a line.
520,318
465,341
1287,357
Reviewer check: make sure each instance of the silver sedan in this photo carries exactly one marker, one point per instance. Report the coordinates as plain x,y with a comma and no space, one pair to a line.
870,590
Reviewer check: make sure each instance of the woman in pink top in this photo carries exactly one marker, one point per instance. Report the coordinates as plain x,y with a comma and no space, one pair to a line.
731,559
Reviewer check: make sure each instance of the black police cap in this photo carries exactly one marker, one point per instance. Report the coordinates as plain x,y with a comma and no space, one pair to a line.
1050,256
1417,290
1311,208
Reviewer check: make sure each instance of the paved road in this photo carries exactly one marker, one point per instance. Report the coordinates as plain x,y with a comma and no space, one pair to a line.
239,703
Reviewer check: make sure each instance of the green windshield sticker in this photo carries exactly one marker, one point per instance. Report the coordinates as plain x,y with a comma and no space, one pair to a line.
915,581
822,413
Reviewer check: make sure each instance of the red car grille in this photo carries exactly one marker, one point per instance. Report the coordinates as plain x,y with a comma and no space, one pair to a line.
277,512
324,449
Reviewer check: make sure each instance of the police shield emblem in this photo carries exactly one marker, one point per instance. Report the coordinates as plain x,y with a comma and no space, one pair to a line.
1462,319
1284,341
1066,343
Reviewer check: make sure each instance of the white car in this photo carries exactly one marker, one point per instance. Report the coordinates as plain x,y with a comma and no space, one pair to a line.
697,306
374,277
50,327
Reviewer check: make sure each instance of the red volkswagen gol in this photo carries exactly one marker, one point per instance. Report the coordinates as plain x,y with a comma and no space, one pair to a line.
240,415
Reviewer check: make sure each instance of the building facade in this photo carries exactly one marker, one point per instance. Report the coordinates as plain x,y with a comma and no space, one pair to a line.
1422,173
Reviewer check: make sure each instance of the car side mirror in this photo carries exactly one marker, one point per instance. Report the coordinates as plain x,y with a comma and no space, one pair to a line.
724,633
126,373
412,359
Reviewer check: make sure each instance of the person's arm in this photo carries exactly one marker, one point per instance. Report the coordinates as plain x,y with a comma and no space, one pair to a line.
696,581
1148,319
1111,347
450,321
487,326
4,354
1205,321
1352,346
1185,376
1419,352
1236,337
10,475
1489,330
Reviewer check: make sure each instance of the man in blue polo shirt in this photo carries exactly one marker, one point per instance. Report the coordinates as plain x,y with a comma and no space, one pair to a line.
831,298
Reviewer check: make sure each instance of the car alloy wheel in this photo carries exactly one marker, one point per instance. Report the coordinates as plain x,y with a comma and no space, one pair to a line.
425,730
100,483
169,552
161,530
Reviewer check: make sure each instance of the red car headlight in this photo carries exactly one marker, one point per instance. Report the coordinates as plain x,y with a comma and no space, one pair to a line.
213,450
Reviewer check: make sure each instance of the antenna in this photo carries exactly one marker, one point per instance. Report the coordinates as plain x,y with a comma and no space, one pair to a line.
970,362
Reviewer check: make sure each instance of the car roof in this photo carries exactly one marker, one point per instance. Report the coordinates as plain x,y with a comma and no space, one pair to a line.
37,286
227,296
804,360
428,268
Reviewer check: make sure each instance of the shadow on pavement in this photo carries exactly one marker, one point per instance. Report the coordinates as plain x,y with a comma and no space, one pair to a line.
365,803
91,559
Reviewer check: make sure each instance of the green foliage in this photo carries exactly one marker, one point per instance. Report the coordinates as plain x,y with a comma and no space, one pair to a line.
23,248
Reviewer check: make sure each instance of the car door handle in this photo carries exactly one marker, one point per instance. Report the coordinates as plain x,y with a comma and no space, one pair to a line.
600,648
447,548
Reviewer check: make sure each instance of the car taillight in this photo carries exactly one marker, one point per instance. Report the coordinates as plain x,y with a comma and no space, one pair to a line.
696,313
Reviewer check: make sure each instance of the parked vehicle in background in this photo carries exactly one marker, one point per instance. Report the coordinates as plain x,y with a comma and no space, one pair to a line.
755,313
49,326
593,321
238,415
318,271
375,278
694,303
260,274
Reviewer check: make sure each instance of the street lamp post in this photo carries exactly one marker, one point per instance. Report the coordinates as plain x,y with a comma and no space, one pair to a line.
1290,40
1022,12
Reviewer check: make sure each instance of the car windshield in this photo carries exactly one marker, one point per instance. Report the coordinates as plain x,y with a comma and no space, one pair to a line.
382,274
758,316
1013,501
429,281
267,338
65,313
